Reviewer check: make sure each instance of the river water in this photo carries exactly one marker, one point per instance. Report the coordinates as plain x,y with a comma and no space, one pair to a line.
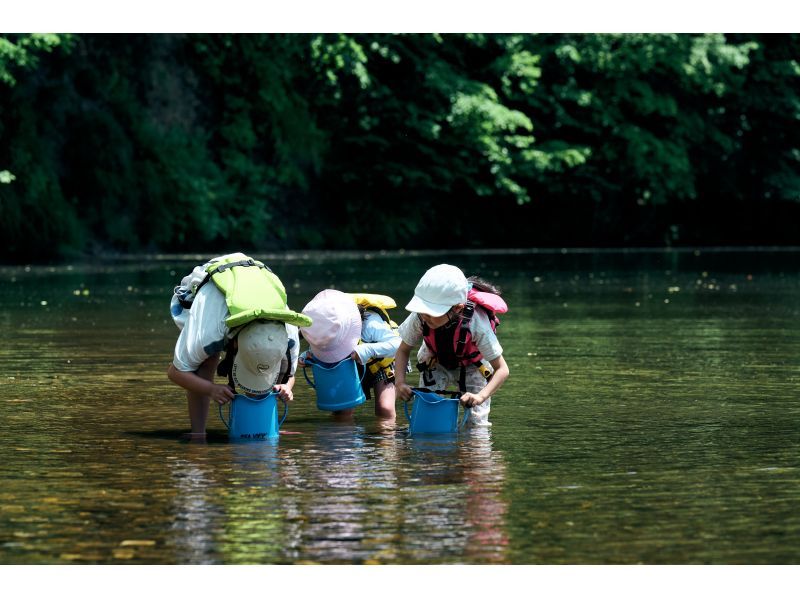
652,416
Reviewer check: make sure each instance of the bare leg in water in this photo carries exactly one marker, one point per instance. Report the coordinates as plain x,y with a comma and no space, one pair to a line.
384,403
198,403
384,400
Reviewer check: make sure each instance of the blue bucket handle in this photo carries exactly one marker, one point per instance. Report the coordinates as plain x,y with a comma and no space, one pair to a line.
454,396
312,361
310,383
253,400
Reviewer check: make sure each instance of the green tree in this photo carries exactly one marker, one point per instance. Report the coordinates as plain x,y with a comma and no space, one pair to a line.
37,219
209,142
647,113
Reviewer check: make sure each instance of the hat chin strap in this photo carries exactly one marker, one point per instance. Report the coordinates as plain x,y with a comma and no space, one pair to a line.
225,367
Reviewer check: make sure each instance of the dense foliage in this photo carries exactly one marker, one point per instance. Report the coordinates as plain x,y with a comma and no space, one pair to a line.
207,142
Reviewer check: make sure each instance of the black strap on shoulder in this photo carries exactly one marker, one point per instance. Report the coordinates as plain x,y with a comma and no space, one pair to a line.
204,281
377,310
223,267
463,335
225,367
288,373
243,263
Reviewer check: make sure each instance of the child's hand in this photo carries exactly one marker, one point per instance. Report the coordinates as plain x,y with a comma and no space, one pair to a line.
301,359
355,357
284,392
221,393
403,391
472,400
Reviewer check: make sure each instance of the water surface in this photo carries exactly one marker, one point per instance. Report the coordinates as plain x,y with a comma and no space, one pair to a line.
651,416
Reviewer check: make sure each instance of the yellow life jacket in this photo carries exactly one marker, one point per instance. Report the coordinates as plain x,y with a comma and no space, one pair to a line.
379,304
252,292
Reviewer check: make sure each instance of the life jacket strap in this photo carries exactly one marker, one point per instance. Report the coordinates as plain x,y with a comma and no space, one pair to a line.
288,373
427,376
245,263
463,331
462,379
182,298
225,367
222,268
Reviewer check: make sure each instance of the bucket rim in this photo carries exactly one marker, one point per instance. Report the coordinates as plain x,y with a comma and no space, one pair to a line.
328,366
258,398
422,392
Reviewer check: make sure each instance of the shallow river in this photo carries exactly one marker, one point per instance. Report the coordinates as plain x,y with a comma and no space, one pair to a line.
652,416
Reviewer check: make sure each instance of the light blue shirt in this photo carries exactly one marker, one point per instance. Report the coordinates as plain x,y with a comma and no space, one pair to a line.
377,339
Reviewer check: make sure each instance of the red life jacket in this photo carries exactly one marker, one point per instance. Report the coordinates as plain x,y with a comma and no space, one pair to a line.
452,343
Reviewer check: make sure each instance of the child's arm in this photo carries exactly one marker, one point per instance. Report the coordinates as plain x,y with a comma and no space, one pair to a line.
402,389
377,340
219,393
284,391
366,351
500,374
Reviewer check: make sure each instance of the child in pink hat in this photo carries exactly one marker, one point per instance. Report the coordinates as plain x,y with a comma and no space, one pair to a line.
453,319
341,329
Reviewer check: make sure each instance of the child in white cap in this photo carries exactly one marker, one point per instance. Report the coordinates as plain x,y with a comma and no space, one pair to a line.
340,330
459,347
261,354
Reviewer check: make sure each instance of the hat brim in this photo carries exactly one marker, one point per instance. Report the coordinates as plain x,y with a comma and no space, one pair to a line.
420,306
250,382
286,316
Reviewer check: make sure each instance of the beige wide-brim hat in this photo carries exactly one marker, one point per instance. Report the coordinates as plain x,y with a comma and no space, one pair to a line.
336,327
262,346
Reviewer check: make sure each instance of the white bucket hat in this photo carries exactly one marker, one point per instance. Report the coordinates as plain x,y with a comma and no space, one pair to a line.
439,289
262,346
336,327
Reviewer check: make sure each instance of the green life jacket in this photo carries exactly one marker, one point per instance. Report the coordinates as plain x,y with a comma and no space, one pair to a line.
252,292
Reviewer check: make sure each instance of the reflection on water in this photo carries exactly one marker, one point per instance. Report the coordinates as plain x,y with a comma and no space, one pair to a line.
651,416
194,516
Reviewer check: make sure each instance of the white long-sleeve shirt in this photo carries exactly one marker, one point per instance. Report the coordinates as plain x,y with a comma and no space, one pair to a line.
203,329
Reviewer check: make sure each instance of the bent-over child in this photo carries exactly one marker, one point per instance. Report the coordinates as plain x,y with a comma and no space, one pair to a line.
234,304
358,327
453,319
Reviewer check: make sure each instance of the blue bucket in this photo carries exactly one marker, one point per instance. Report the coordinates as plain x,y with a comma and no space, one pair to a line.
254,418
338,385
433,413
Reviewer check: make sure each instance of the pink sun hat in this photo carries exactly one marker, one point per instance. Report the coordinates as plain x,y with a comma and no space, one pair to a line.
336,327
